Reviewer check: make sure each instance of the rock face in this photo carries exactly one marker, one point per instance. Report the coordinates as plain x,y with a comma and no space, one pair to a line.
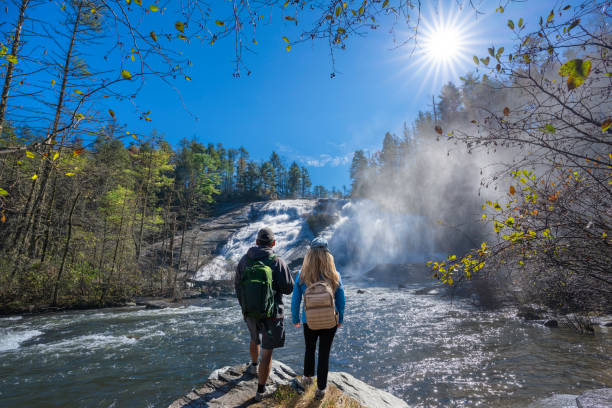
600,398
365,394
234,387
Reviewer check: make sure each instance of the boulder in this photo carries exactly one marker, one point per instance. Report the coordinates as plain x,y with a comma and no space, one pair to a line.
235,387
530,313
551,323
365,394
600,398
556,401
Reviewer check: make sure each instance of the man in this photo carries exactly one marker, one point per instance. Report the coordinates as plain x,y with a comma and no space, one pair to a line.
267,328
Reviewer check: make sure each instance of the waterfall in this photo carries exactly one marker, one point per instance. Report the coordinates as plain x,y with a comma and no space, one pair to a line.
363,236
286,218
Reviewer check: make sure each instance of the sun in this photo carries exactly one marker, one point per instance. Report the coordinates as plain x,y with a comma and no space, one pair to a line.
446,39
444,44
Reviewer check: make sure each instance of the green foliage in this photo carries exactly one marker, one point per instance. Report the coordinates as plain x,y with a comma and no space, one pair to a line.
576,71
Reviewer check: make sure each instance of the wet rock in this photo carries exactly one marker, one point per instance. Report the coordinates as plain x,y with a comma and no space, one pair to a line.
530,313
556,401
551,323
360,291
382,300
157,304
600,398
365,394
401,286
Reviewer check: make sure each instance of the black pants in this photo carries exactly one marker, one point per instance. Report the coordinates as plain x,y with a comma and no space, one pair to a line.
326,337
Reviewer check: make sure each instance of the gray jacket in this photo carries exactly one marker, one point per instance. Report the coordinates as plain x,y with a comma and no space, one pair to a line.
282,281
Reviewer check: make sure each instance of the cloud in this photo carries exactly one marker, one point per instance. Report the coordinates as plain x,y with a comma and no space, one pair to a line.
326,160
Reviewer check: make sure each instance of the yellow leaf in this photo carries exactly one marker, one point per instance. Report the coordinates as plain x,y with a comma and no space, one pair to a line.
288,48
254,41
148,119
76,91
126,74
55,156
3,219
338,11
605,125
53,82
128,2
220,23
112,113
286,3
512,190
153,36
187,78
154,8
70,174
34,177
182,36
132,57
180,26
29,155
11,58
139,2
285,39
3,191
134,136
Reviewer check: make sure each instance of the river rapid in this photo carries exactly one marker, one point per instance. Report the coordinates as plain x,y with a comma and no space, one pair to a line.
425,349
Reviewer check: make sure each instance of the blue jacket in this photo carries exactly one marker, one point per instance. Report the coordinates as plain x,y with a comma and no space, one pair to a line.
298,291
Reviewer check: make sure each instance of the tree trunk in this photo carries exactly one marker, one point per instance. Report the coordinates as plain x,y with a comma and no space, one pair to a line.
66,247
117,241
48,217
9,69
40,198
144,207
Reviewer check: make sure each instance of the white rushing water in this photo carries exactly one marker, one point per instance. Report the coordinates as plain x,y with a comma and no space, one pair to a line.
287,218
363,236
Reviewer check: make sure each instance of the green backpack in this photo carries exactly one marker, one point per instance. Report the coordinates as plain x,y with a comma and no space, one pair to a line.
257,295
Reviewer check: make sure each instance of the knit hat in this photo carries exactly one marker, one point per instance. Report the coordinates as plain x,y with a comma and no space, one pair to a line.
265,236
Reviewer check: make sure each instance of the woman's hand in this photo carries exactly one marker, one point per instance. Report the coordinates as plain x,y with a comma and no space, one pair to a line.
297,325
338,325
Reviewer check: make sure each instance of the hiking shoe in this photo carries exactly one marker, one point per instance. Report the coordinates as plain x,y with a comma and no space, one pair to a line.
319,394
252,369
259,396
306,382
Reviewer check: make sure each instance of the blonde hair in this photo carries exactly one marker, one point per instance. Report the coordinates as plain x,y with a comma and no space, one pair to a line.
319,264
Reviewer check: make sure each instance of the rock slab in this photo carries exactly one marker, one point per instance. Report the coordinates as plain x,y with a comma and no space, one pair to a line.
600,398
364,393
235,387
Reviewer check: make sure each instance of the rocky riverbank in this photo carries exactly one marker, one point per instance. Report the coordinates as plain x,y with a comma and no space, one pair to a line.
234,387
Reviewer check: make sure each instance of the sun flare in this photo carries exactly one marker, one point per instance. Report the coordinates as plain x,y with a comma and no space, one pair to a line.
447,38
444,44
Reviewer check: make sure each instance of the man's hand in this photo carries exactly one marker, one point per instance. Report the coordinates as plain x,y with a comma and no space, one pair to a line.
298,324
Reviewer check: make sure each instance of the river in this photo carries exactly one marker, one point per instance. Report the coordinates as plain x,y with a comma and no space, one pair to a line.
421,348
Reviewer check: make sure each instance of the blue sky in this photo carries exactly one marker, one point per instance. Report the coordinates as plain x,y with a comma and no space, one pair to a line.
290,104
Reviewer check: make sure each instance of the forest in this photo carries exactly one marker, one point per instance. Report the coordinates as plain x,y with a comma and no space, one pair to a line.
76,220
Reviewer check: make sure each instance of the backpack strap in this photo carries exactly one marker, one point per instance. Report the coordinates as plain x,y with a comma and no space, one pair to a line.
267,261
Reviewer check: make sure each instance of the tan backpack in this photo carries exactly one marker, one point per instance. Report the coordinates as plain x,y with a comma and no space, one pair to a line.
320,306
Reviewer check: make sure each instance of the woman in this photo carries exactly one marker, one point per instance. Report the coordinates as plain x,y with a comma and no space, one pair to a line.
318,266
